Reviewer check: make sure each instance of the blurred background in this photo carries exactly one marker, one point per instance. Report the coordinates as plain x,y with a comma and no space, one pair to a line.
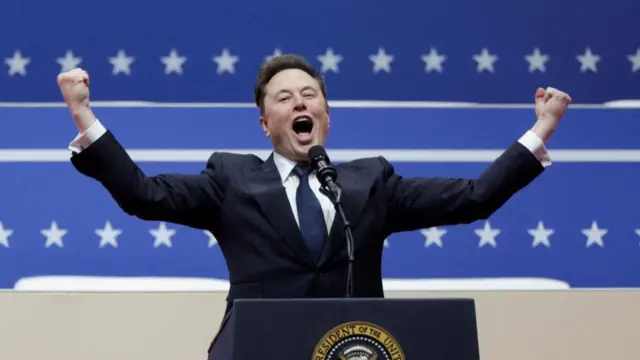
439,88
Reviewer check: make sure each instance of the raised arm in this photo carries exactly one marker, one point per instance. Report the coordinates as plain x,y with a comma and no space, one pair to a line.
192,200
415,203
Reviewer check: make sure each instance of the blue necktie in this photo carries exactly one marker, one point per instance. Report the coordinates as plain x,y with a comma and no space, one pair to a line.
310,214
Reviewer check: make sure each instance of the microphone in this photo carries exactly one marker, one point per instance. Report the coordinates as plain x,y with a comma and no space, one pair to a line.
327,175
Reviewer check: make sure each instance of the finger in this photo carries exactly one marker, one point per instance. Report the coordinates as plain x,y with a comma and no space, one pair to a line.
540,94
550,93
561,97
564,97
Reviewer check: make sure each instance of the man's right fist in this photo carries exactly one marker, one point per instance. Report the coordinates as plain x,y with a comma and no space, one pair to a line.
74,85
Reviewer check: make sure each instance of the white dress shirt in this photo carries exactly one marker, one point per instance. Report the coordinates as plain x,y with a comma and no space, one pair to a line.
290,180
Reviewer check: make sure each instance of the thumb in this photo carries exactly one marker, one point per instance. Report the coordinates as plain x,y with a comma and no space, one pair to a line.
540,100
540,96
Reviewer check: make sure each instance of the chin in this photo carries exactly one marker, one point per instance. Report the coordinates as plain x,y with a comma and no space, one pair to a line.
303,149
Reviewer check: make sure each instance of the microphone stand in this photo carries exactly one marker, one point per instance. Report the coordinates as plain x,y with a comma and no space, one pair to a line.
334,193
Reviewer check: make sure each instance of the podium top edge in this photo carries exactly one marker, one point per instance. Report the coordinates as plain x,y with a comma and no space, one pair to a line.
354,300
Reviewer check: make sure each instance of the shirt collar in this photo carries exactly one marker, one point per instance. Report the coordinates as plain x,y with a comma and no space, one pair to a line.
284,165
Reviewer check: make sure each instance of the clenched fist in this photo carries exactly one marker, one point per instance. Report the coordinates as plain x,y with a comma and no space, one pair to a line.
74,85
551,105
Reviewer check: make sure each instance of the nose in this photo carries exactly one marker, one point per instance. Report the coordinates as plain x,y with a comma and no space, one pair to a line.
299,103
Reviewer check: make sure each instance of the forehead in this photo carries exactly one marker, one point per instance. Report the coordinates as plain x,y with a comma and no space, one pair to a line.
291,80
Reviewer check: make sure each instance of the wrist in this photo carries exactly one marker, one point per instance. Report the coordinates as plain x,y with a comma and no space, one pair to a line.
543,128
83,118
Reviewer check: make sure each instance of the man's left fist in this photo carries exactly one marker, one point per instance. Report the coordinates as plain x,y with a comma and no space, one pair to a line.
551,105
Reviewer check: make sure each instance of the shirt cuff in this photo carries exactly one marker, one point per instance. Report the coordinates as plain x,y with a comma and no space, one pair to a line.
88,137
532,142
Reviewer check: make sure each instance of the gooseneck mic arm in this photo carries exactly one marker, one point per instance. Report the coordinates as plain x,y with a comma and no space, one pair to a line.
327,176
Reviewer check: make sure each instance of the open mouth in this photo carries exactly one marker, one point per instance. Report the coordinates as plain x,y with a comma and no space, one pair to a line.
303,126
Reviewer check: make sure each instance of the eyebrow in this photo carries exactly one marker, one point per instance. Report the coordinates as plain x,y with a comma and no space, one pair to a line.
307,87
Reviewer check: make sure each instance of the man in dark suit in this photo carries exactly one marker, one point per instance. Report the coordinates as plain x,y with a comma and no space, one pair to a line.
278,233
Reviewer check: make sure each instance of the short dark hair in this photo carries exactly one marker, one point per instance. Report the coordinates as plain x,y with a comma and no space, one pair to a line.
279,63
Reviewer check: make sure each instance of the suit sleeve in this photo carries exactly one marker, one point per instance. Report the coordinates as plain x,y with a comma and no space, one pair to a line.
191,200
417,203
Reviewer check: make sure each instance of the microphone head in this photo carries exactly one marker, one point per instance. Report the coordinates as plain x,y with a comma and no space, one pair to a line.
319,160
316,153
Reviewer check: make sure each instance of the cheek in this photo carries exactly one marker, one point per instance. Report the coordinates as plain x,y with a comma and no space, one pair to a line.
319,112
278,125
324,118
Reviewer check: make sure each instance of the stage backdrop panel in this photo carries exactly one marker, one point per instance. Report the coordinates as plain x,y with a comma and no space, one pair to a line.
194,50
577,223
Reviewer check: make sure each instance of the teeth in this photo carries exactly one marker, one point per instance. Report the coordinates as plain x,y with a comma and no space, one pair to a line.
304,118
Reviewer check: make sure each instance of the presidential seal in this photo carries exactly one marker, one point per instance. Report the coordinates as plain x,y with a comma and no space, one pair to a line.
357,340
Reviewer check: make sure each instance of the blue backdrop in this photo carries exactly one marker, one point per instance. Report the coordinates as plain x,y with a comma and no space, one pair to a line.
589,48
593,182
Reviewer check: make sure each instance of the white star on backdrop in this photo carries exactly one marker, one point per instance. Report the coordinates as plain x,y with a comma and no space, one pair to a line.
173,63
540,235
588,61
162,235
635,60
487,235
4,235
17,64
485,60
381,61
594,235
537,61
330,61
212,239
54,235
69,61
108,235
276,52
226,62
433,61
433,236
121,63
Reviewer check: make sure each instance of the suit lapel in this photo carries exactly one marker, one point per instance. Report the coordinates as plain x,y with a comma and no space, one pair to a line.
354,197
266,185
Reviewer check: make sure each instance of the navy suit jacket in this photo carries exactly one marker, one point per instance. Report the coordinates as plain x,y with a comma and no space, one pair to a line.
241,200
